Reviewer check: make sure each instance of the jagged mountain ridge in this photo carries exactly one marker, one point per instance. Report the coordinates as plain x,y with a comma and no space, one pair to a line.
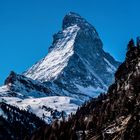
111,116
17,85
76,64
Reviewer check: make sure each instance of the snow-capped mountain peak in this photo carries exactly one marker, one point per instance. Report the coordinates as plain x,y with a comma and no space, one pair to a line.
75,69
72,19
75,59
75,19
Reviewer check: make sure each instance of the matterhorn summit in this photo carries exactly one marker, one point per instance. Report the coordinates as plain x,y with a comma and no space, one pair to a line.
76,65
75,70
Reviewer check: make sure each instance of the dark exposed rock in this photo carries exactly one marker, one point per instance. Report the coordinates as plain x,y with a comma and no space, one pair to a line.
19,83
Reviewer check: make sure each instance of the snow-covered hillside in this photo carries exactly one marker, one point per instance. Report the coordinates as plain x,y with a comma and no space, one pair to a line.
46,108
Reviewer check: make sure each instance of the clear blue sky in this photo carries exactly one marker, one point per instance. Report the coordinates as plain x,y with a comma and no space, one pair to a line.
27,26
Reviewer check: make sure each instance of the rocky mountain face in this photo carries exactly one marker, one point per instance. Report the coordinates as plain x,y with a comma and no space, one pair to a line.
76,69
76,64
111,116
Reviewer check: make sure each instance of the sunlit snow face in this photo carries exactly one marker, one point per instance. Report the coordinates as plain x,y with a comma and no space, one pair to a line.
52,65
44,107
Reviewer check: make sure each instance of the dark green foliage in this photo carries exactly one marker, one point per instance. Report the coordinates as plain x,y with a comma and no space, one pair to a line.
138,42
133,128
131,44
18,123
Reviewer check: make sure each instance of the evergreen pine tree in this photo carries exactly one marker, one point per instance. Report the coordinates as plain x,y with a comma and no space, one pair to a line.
138,42
131,44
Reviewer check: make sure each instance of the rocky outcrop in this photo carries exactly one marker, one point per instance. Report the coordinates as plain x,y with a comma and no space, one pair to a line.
23,87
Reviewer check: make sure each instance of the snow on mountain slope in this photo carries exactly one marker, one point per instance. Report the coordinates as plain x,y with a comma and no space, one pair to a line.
75,58
53,64
46,108
3,90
